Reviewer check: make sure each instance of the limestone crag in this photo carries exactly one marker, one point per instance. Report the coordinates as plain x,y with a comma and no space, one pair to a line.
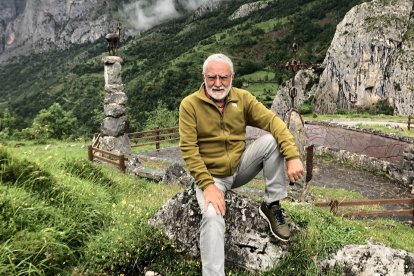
370,59
401,82
248,8
206,7
43,25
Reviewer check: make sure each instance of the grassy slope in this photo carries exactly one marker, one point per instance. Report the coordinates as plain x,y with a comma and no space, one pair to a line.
61,214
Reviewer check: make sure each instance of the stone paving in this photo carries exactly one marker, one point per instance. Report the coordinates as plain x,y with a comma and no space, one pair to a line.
360,142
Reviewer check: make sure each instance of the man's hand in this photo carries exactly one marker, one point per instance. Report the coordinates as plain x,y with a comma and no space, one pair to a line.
215,196
294,169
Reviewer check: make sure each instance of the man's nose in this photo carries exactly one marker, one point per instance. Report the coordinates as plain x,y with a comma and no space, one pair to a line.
217,81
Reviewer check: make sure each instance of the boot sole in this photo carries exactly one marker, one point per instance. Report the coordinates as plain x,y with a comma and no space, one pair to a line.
270,226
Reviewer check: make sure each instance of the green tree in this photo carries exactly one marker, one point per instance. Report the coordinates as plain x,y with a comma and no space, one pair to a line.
53,122
7,123
161,117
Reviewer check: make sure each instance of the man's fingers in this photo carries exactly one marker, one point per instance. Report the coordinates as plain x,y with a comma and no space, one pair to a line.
295,177
222,206
218,204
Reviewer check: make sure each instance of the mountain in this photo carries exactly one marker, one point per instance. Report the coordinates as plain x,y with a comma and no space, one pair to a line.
40,26
161,64
370,60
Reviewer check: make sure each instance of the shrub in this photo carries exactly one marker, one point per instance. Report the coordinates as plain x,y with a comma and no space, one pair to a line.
306,108
53,122
342,111
161,117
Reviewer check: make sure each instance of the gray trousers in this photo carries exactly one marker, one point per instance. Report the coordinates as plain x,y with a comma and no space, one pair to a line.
261,154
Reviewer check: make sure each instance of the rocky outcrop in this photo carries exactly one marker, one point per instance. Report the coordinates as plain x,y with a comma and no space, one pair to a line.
248,8
206,7
43,25
370,60
401,83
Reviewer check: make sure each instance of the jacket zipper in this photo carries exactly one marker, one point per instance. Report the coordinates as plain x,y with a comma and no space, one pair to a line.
225,141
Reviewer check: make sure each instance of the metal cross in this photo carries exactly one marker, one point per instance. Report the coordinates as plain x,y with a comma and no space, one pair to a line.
293,66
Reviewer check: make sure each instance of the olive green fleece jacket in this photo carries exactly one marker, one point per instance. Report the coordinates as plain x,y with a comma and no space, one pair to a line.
212,142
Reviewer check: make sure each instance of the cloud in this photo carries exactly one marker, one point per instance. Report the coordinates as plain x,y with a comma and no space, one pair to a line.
142,15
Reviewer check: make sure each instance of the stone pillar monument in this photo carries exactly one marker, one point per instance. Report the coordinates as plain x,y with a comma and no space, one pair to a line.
115,124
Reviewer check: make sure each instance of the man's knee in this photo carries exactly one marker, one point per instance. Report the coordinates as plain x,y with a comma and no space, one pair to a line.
211,220
269,141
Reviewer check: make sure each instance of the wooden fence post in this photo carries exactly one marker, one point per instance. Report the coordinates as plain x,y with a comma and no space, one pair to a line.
122,166
409,122
157,145
90,153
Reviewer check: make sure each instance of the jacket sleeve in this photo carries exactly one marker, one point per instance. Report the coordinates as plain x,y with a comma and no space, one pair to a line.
261,117
189,146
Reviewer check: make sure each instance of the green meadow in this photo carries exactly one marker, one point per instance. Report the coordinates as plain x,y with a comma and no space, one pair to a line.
63,215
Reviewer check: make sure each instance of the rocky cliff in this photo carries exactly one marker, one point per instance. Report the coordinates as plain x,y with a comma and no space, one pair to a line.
370,59
40,25
36,25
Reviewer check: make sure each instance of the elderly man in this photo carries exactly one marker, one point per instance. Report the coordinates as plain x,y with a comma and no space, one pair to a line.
212,129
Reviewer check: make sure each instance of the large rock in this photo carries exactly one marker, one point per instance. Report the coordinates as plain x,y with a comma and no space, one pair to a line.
114,110
248,242
294,121
112,72
371,259
114,126
119,145
370,59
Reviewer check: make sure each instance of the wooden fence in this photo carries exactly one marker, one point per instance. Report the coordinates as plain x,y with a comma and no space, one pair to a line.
94,152
153,137
335,204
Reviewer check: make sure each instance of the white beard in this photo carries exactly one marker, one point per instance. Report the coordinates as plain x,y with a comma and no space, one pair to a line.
218,93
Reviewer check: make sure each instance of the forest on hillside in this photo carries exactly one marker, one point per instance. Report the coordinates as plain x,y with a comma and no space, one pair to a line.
163,64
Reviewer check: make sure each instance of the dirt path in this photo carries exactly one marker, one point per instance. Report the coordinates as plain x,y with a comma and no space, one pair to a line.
371,185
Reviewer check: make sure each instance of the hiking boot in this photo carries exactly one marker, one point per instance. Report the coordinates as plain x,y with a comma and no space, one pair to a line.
276,219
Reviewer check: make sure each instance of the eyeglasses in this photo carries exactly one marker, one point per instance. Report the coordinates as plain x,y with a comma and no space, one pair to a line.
222,78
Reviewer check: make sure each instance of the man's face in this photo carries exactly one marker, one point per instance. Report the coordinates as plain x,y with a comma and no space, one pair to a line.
218,79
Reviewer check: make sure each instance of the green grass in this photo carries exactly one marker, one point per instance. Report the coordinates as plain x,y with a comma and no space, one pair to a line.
365,116
385,129
377,122
60,214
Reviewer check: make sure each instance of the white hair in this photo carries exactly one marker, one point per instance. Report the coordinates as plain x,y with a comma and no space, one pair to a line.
218,57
